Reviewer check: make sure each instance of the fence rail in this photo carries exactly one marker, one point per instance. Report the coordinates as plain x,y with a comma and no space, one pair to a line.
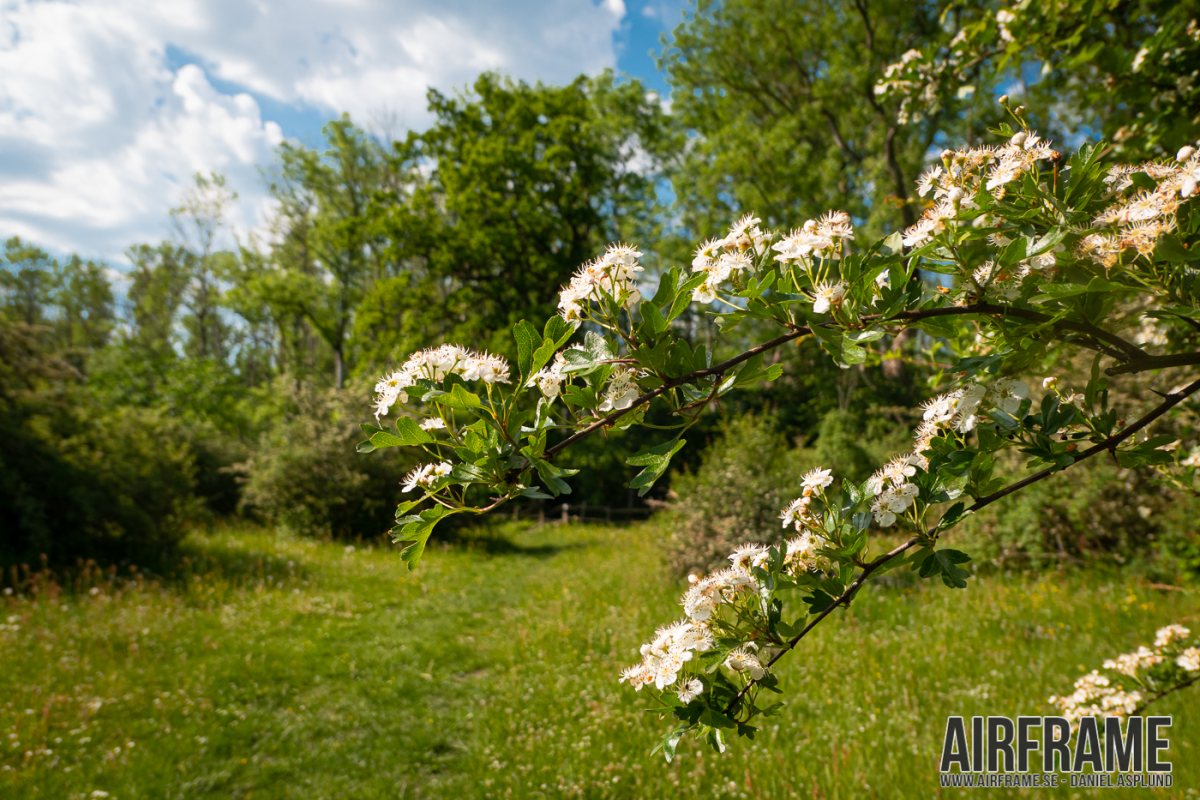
562,513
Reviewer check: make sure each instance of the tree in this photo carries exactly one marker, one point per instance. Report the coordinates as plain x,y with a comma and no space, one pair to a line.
84,298
511,188
27,281
331,248
198,222
781,98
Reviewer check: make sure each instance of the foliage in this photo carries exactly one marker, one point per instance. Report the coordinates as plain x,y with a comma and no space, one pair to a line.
305,475
747,473
781,95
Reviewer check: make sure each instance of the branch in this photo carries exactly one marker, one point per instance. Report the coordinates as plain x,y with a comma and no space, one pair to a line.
1161,695
1135,359
843,599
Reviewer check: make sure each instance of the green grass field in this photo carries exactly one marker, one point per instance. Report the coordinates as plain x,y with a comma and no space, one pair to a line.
278,667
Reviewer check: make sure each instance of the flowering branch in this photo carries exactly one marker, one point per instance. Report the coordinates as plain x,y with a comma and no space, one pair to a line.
1108,445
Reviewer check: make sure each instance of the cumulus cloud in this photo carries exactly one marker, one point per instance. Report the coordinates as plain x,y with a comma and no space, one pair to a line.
101,129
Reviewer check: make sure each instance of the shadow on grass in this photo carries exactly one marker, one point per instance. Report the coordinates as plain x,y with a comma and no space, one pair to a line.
493,543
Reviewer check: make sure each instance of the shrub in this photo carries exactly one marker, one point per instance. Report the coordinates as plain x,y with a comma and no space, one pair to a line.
746,475
116,488
1101,513
305,474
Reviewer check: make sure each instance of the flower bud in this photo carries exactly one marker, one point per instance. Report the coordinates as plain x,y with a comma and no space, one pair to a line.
1185,153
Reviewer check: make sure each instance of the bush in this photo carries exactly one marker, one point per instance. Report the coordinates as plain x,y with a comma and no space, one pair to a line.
305,474
1099,512
114,488
746,475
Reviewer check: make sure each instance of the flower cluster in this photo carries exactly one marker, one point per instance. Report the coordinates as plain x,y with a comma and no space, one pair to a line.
423,476
737,589
1137,222
1135,678
959,411
612,276
436,364
968,171
826,237
664,657
722,259
549,380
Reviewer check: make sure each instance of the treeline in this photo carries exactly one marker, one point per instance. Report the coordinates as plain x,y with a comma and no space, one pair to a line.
212,377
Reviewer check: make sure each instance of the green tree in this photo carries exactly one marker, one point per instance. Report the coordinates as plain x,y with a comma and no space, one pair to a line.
780,96
512,188
26,280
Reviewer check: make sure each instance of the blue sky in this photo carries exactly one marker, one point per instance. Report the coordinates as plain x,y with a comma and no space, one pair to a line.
107,108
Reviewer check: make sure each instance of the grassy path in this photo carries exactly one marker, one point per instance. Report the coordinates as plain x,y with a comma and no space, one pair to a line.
277,667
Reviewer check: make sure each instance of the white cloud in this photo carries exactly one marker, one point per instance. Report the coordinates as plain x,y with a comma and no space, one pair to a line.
100,133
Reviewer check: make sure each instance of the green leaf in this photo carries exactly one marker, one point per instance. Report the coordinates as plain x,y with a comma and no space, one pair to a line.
414,530
655,460
528,339
459,397
408,433
945,563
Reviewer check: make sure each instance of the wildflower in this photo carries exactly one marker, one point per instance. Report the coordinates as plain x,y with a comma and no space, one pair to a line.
1189,659
433,424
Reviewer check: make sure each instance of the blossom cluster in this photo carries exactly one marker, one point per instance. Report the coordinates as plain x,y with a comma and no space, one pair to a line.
722,259
737,589
423,476
959,411
612,276
1137,222
436,364
1135,678
964,173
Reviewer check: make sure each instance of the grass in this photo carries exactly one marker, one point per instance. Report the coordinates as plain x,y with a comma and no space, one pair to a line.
278,667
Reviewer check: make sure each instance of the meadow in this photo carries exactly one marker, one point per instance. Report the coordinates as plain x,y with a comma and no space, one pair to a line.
274,666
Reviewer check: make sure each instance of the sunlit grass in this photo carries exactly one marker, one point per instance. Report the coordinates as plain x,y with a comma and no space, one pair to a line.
278,667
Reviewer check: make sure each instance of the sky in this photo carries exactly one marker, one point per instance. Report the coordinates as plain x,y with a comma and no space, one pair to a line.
109,107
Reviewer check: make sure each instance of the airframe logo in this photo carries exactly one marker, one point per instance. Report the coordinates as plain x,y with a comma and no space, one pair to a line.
1045,752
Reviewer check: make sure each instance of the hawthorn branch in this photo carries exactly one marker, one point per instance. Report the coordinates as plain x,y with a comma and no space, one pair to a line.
1107,445
1132,357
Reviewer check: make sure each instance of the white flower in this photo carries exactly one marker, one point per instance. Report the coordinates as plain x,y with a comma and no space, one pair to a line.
690,690
1133,663
742,660
827,295
1169,635
621,391
748,556
1189,659
424,475
796,512
816,479
433,424
549,379
1185,152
